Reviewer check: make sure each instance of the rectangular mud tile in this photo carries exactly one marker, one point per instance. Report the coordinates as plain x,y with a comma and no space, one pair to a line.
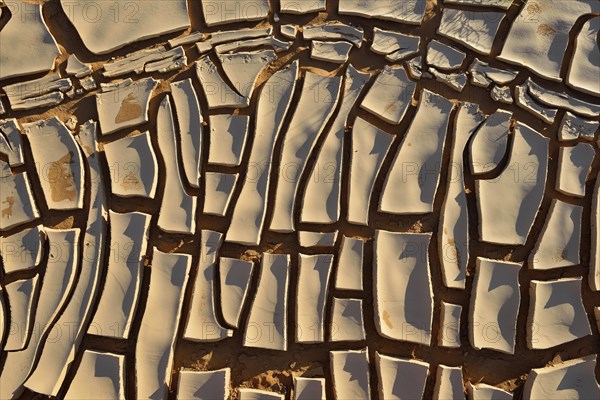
350,374
119,299
453,231
134,62
448,383
318,100
173,59
18,93
317,239
267,323
228,134
235,276
21,296
407,11
100,375
54,291
349,273
402,286
155,345
126,106
333,52
255,394
583,70
449,330
191,38
58,162
574,377
23,250
219,189
321,203
556,313
594,277
413,179
202,324
269,41
473,29
190,122
199,385
401,378
494,308
347,321
249,214
180,219
540,47
502,4
390,96
498,223
313,281
309,388
133,166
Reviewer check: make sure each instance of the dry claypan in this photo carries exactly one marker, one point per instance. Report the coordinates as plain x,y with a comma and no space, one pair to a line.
256,199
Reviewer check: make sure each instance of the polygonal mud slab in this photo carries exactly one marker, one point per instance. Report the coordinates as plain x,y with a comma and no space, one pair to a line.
321,203
390,96
155,344
473,29
453,234
27,45
255,394
99,376
494,305
481,391
189,118
347,320
10,142
370,145
349,272
574,167
118,302
455,81
103,30
483,75
594,277
56,286
556,99
448,383
244,68
23,250
444,57
218,192
228,135
133,166
401,378
313,282
558,243
449,330
402,286
234,278
267,326
584,66
309,388
573,379
388,42
318,100
413,179
204,384
59,164
249,214
526,102
333,52
227,11
539,36
408,11
182,218
21,296
17,203
556,313
301,7
490,143
508,218
573,127
218,92
124,105
202,324
350,374
336,31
